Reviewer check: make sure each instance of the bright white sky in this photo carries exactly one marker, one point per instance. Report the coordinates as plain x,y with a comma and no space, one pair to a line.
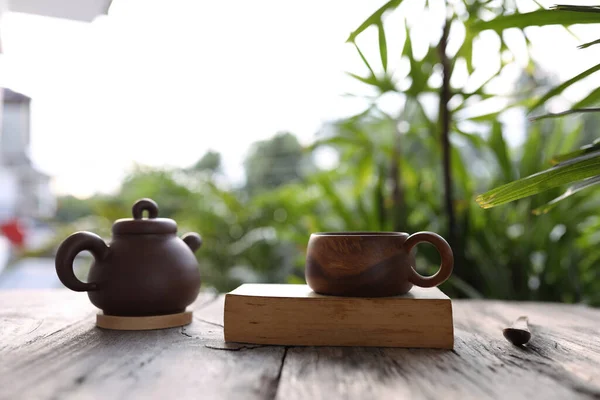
161,82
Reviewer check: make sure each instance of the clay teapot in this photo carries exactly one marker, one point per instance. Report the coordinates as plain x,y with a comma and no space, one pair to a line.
145,270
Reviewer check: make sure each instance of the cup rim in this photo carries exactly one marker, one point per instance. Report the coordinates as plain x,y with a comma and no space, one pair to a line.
360,233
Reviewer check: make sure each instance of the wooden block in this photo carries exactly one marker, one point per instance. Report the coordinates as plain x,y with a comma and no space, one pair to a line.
143,323
294,315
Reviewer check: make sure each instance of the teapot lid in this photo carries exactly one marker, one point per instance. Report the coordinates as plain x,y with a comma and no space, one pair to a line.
140,225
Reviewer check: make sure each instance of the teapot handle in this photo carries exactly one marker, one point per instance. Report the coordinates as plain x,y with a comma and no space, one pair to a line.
68,250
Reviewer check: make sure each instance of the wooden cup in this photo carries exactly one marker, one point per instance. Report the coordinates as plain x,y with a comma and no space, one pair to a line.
371,264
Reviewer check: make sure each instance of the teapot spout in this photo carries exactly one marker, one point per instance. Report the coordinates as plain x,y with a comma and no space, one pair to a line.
193,240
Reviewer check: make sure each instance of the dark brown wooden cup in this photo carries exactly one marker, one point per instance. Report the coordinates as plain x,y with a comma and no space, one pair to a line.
371,264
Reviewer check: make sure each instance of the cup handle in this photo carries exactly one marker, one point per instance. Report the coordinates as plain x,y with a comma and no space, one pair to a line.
68,250
446,254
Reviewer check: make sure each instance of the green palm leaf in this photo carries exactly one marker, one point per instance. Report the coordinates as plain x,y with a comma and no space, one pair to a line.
563,113
560,88
590,99
568,7
584,150
588,44
571,171
569,192
362,56
374,19
382,45
498,146
558,16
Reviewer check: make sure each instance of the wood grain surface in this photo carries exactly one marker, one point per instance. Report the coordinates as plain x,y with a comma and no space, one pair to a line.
50,348
295,315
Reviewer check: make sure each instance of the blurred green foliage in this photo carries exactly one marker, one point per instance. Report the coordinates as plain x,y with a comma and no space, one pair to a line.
581,167
390,175
211,161
506,253
272,163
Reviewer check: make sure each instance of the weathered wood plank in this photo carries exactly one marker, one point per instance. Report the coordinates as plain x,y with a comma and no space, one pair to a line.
28,315
79,360
562,361
66,356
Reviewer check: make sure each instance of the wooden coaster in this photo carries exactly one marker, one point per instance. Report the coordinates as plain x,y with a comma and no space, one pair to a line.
143,323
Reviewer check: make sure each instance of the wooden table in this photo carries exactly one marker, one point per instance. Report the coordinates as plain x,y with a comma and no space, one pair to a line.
51,349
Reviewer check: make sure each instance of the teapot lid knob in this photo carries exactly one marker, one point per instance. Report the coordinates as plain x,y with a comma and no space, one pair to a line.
145,205
140,225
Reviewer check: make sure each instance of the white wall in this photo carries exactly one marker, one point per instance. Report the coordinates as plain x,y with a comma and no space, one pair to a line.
8,194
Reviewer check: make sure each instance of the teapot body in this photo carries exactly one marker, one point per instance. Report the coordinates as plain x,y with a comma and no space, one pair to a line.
145,274
146,270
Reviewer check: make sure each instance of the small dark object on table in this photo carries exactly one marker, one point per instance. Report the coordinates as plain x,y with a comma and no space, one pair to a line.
518,334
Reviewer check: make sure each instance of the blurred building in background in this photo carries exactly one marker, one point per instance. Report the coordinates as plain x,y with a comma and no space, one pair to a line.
27,201
26,198
25,191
